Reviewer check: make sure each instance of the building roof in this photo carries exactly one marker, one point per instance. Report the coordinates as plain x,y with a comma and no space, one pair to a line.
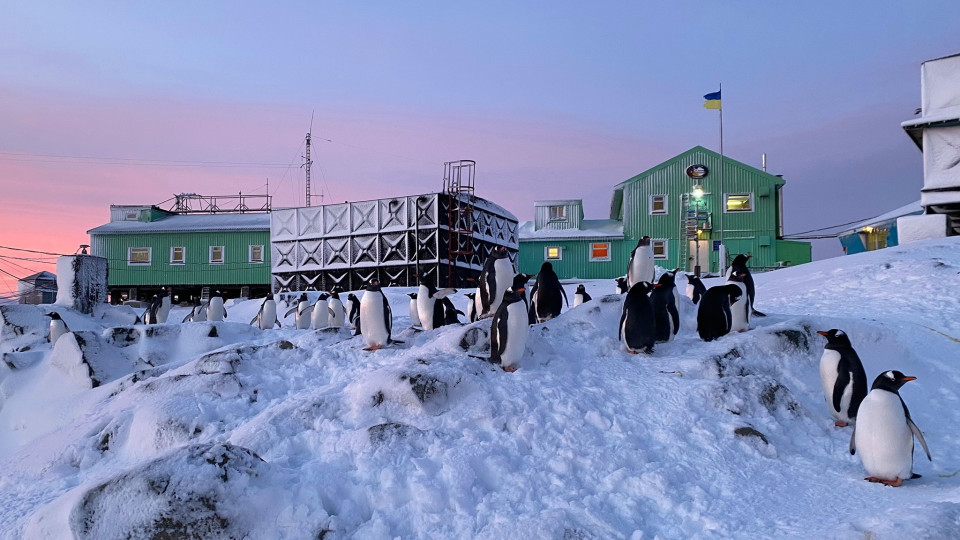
189,223
905,210
40,276
590,228
727,160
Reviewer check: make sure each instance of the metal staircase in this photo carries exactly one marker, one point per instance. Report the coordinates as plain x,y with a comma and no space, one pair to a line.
458,183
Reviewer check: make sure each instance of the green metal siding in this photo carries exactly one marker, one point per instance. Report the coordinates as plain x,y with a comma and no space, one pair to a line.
197,270
575,263
792,253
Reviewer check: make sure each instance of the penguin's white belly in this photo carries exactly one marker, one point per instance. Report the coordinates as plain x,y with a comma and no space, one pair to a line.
372,320
516,338
471,310
828,378
883,439
643,267
740,311
504,271
268,315
215,309
57,329
477,303
337,314
690,291
320,315
577,300
673,325
303,320
415,311
425,308
199,315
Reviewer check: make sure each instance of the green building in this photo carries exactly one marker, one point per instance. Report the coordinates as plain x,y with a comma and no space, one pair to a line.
691,206
148,248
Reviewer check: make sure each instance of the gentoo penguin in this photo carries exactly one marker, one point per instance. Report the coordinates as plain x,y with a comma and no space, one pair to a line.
622,286
640,267
841,373
884,431
267,315
414,311
494,280
429,304
376,318
149,314
581,296
520,285
354,313
337,313
546,294
320,318
508,331
471,306
215,309
198,313
713,312
740,310
695,288
739,264
665,312
303,309
57,326
163,310
450,311
638,327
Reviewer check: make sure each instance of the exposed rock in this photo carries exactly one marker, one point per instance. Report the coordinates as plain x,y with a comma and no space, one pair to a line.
747,431
391,432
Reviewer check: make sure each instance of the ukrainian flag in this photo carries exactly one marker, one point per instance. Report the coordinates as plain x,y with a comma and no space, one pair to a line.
713,100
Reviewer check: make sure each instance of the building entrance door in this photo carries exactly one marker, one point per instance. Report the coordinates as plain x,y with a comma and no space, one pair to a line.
699,255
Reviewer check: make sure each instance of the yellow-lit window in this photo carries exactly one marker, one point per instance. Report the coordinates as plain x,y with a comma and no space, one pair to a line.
558,213
178,255
659,249
216,254
599,251
658,204
553,253
138,256
738,202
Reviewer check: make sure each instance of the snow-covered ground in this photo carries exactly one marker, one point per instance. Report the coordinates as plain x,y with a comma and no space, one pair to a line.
219,430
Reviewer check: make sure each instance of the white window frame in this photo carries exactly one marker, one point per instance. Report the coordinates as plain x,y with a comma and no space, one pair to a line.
250,253
666,206
183,255
131,215
666,248
131,262
546,253
599,259
562,212
223,254
726,203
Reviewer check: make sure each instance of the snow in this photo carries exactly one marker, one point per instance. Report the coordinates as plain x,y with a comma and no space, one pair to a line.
590,228
907,209
923,227
221,430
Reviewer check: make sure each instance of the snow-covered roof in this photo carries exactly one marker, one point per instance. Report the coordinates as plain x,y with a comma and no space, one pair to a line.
40,276
591,228
192,222
905,210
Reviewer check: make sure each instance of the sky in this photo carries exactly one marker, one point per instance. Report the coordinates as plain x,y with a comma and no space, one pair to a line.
118,103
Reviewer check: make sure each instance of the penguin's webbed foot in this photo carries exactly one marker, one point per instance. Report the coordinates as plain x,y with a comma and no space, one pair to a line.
509,369
897,482
756,313
374,348
631,351
840,423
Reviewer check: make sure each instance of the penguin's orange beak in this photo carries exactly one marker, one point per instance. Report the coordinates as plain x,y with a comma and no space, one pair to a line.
908,378
521,289
822,333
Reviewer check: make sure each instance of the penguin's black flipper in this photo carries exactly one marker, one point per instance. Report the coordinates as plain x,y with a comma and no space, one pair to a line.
224,313
919,436
291,311
675,315
756,313
853,445
843,380
278,323
914,476
187,318
254,319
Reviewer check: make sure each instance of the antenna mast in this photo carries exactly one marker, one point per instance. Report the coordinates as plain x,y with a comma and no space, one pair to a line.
307,161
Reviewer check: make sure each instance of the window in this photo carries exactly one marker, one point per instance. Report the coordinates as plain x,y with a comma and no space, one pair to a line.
738,202
138,256
216,254
552,253
599,251
256,254
658,204
178,255
131,215
659,249
558,213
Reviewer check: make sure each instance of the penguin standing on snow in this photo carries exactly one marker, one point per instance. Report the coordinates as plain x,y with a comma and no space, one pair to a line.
740,310
884,431
842,376
640,267
320,318
508,331
149,314
546,294
430,304
163,310
215,309
376,317
714,318
494,281
622,286
471,306
414,311
198,313
354,313
450,311
665,312
57,326
638,326
337,314
739,265
581,296
303,310
695,288
267,315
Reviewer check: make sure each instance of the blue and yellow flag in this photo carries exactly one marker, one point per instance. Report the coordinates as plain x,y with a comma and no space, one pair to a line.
713,100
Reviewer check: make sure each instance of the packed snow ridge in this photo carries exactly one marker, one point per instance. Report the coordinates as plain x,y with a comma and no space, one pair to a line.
222,430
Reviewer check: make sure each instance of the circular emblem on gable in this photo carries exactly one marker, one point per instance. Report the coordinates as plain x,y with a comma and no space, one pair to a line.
697,171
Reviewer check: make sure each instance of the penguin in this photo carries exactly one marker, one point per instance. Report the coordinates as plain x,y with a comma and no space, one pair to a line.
638,327
695,288
622,286
884,432
713,312
494,281
739,264
640,267
163,310
545,303
842,376
266,317
149,314
740,310
354,313
665,312
471,306
215,309
57,326
508,331
581,296
450,311
337,313
429,304
414,311
320,318
303,310
520,284
376,317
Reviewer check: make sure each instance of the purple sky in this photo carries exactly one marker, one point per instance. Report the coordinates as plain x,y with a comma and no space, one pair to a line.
552,99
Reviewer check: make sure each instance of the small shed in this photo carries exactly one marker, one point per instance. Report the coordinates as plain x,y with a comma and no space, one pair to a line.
39,288
878,232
